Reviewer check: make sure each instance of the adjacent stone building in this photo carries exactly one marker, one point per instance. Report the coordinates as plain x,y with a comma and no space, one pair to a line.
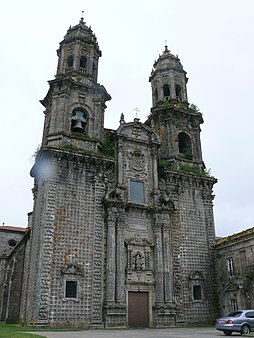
12,253
122,229
235,268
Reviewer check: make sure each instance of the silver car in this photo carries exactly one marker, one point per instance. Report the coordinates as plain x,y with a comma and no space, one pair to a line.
237,321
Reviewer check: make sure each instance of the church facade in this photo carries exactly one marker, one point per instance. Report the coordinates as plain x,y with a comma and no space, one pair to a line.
122,230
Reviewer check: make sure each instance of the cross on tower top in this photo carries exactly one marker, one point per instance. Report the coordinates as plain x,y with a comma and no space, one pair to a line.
137,111
82,17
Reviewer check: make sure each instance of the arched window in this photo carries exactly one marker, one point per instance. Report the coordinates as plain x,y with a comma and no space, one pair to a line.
166,91
83,61
184,144
70,61
79,120
178,91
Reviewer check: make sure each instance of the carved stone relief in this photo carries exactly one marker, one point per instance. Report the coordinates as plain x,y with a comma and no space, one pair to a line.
139,260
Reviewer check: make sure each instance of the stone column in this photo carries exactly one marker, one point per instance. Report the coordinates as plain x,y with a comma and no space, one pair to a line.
184,91
120,269
172,85
159,284
155,171
198,143
167,255
98,252
111,259
120,163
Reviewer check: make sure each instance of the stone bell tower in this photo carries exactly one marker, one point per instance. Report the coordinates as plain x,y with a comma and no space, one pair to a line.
65,263
177,122
75,102
188,186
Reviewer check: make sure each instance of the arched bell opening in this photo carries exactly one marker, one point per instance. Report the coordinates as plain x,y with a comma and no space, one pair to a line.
79,120
94,71
184,146
178,90
83,62
70,61
166,92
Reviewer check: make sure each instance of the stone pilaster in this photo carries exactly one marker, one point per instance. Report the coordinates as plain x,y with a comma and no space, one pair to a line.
47,249
159,286
120,252
115,309
168,266
97,299
111,258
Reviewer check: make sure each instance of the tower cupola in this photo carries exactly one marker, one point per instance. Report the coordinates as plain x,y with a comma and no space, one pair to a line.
79,53
76,102
168,79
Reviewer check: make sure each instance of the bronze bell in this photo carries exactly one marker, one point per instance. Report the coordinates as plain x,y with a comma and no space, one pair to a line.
77,125
78,121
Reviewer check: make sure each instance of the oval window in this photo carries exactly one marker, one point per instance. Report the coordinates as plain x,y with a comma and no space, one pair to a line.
12,242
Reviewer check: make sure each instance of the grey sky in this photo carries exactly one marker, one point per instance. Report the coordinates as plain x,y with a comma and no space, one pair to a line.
213,39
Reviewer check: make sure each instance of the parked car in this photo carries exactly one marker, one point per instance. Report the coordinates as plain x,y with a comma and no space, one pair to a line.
237,321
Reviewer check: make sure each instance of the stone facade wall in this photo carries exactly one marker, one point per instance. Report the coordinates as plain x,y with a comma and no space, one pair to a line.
11,282
69,218
193,238
235,271
9,239
3,279
11,271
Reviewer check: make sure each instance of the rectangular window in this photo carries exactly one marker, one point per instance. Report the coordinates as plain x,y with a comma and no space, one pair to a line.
71,289
230,266
234,305
136,192
197,292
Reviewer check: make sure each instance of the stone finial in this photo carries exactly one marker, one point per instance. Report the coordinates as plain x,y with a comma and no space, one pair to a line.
122,119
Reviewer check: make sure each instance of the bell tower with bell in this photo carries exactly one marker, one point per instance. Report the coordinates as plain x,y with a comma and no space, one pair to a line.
75,102
66,260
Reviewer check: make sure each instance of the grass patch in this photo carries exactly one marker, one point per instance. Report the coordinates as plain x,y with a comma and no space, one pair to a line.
11,334
18,331
15,331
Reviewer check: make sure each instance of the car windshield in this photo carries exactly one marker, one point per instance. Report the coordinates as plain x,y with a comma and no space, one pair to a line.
234,314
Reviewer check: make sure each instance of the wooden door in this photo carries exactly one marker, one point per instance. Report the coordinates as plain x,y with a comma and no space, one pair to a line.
138,309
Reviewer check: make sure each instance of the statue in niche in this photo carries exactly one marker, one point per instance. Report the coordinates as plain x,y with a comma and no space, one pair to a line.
138,261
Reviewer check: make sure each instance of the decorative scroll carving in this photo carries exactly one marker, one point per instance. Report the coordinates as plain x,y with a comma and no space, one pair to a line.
118,194
72,269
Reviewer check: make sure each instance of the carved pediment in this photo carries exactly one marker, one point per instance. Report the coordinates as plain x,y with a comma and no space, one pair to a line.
137,131
196,275
138,241
72,269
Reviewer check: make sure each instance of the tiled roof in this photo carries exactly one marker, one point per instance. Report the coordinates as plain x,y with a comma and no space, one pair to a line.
231,238
12,228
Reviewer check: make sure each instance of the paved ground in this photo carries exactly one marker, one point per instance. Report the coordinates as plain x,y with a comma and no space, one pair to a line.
147,333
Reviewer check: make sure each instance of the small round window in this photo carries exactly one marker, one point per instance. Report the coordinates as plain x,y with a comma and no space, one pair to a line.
12,242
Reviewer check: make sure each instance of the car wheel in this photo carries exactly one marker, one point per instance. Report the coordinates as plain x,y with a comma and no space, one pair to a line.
245,329
227,333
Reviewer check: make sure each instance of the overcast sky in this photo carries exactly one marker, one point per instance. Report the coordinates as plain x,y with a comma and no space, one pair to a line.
213,39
